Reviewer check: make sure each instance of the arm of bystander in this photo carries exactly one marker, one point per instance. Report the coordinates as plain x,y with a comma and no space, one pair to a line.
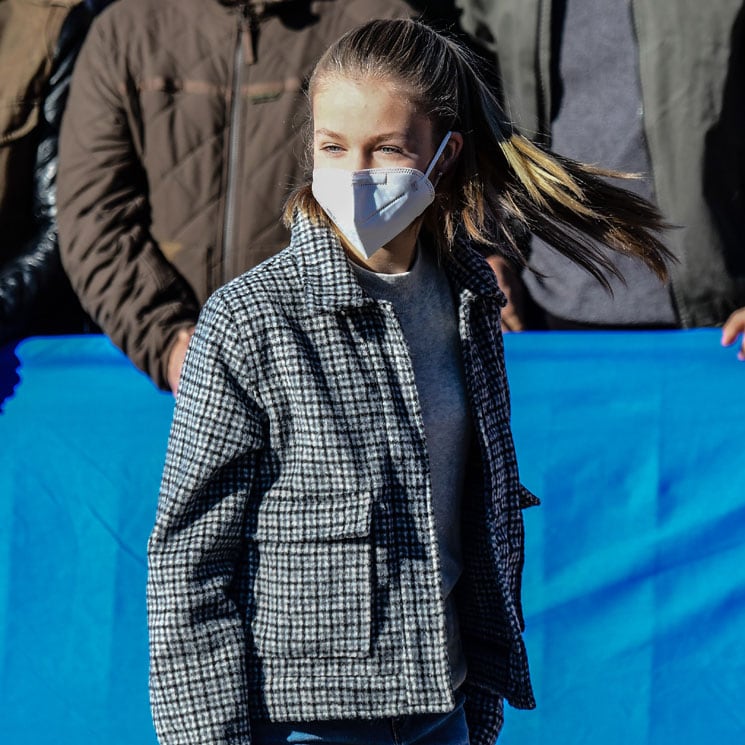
114,263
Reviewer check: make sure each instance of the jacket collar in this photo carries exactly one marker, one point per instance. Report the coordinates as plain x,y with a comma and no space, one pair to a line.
328,280
330,284
258,7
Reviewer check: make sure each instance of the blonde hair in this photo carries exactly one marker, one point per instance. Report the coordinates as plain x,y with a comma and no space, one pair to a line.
503,185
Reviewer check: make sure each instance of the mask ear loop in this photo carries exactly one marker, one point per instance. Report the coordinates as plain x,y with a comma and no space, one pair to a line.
440,151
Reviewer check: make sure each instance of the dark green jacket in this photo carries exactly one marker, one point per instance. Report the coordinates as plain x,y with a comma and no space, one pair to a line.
692,67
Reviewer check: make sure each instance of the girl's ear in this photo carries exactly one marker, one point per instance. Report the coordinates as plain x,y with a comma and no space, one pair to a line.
450,154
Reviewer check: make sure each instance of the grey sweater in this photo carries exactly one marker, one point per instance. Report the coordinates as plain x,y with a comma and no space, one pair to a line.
423,303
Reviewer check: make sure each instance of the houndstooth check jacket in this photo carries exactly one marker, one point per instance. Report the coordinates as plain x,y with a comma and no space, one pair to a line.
293,566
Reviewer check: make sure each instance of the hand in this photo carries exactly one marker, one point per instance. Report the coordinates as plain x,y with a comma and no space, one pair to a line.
511,284
176,357
734,327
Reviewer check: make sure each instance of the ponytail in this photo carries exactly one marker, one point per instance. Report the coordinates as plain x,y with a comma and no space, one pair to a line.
573,207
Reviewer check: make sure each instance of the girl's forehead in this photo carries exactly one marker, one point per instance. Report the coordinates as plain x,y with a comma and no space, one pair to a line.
352,101
339,87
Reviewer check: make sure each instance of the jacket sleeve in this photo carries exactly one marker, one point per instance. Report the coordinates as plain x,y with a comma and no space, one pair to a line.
115,265
197,642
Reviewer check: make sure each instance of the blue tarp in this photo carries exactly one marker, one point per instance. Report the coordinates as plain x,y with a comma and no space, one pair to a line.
634,585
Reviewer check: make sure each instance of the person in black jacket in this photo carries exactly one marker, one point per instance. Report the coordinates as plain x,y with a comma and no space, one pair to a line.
35,294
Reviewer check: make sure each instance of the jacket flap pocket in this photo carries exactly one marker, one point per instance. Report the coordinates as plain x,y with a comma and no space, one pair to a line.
291,517
527,498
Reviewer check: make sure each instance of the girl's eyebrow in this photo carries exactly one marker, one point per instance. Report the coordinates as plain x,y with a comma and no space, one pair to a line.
376,138
405,136
328,133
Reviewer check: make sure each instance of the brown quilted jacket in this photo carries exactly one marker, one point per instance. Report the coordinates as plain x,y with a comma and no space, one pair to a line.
180,142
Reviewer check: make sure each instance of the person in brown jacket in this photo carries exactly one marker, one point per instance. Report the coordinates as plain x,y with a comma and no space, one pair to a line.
180,142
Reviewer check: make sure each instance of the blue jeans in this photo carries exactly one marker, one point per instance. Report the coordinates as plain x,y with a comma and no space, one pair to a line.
415,729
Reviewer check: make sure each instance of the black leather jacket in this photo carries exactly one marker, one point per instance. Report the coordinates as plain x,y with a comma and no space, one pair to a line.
35,295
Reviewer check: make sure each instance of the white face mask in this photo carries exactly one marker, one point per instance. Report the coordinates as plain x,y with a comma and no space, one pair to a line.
371,207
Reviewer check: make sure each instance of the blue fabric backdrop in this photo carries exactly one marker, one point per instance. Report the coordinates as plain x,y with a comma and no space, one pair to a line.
635,574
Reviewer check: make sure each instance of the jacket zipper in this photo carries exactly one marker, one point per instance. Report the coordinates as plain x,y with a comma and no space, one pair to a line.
544,93
244,54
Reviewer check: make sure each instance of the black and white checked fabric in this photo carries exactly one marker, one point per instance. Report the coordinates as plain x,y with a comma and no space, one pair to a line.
293,567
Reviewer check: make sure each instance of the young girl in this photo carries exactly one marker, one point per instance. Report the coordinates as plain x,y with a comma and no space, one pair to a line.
339,540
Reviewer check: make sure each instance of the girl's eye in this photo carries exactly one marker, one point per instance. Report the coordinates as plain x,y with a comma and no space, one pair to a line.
390,150
331,148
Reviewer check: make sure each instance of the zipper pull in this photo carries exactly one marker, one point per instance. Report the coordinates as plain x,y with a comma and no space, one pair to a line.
248,25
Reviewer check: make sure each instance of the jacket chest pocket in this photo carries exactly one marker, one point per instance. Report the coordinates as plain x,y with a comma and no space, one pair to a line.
313,585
